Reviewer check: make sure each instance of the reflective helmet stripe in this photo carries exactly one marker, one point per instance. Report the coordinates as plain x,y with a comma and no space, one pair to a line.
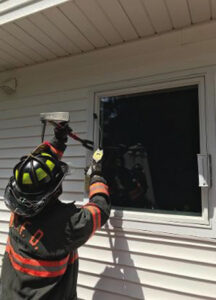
26,178
46,154
50,164
16,174
41,174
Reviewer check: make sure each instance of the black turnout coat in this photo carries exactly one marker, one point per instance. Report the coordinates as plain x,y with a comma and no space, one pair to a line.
41,258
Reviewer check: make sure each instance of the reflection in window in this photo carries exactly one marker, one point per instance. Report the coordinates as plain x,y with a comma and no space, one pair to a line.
151,141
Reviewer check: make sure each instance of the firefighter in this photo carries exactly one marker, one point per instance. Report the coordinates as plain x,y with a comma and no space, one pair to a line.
41,259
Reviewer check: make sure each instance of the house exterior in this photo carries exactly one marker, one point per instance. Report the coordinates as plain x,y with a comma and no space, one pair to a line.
72,56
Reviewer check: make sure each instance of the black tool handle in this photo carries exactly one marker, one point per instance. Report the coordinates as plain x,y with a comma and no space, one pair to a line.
86,143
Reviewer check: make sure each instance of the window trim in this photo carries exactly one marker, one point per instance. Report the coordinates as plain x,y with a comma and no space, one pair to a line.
163,218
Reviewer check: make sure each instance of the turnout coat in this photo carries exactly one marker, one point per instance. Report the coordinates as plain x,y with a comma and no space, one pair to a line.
41,258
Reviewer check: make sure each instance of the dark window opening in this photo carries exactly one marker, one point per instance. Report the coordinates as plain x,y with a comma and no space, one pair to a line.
151,141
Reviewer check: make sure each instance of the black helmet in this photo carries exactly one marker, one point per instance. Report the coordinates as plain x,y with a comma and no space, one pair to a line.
37,179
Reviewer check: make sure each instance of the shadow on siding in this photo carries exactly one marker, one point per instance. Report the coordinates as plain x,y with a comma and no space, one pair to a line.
129,285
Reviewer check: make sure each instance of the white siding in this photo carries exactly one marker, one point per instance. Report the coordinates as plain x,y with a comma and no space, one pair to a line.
147,267
117,263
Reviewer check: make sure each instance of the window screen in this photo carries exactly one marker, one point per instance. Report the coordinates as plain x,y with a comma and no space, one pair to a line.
151,141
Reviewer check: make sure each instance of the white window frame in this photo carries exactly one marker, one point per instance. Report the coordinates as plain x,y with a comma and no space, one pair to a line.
134,219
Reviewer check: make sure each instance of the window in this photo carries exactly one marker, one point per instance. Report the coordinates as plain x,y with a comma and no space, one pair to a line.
151,141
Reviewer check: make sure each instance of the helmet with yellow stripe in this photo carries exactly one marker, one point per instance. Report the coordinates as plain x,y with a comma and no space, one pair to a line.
37,179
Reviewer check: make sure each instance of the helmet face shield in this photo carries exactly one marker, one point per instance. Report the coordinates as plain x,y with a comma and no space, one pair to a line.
28,197
18,202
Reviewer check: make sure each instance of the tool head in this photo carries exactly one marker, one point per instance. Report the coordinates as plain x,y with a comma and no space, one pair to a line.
55,116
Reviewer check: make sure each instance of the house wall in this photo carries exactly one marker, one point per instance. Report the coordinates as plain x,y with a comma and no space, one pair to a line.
158,261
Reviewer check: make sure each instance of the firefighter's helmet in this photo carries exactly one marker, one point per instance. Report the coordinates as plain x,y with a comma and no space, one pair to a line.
36,180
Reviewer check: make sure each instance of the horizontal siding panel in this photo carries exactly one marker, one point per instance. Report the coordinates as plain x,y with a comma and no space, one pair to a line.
2,207
116,286
149,294
38,99
126,276
87,293
2,249
152,262
158,237
72,196
36,110
3,226
77,116
74,186
5,215
1,258
3,237
35,131
174,250
75,150
24,142
134,291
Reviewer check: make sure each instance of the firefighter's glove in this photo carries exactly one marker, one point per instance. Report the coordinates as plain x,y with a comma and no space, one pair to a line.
95,167
60,136
61,131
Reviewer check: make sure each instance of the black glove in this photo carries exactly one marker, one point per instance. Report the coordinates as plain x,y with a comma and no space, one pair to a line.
61,132
95,167
60,136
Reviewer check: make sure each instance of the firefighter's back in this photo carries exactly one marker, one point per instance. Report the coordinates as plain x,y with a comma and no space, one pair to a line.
40,262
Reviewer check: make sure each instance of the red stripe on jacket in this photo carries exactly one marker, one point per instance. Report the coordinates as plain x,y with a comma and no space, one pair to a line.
96,216
23,264
97,188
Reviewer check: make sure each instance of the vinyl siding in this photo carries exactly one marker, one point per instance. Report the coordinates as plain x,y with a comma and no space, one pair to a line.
161,261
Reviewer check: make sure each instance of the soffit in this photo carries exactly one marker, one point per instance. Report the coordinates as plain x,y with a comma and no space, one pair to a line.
79,26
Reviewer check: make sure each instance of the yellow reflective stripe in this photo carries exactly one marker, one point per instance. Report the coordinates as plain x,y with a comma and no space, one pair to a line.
16,174
46,154
50,164
41,174
26,178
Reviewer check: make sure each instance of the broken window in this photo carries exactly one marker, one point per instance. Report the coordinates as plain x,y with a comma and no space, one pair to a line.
151,141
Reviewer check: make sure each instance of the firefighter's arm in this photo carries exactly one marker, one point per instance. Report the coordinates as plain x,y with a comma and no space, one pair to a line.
86,220
57,145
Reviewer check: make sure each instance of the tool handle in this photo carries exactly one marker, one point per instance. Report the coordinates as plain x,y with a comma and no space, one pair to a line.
86,143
